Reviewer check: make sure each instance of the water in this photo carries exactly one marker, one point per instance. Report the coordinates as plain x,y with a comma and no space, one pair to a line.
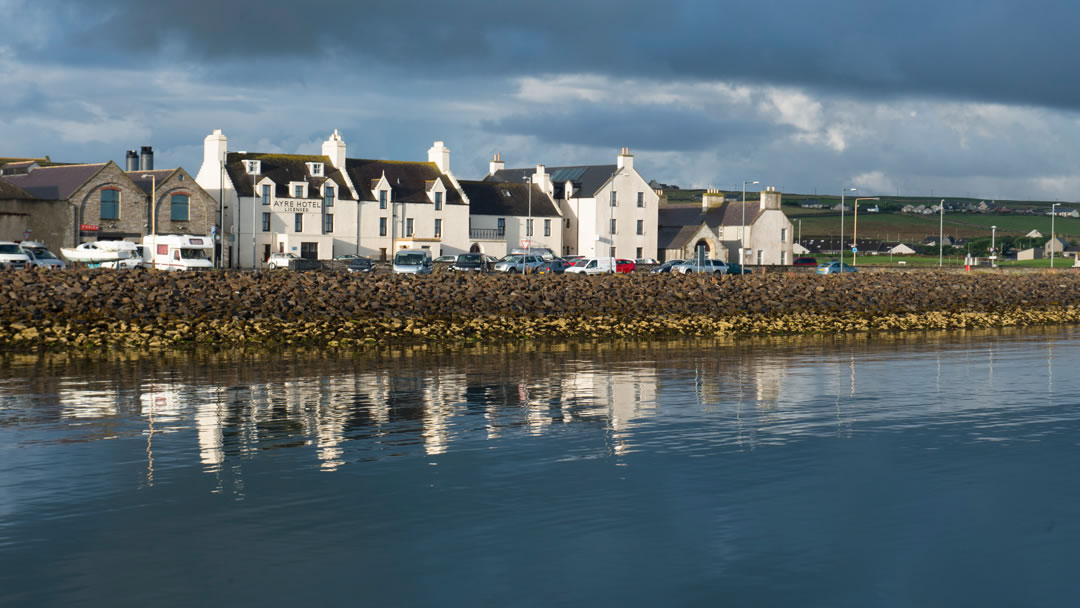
926,470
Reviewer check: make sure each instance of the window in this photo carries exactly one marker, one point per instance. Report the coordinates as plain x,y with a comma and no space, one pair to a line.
298,222
640,228
408,226
438,201
382,199
528,227
783,235
614,199
178,204
266,194
328,196
640,199
438,228
328,223
110,204
613,225
638,256
382,226
547,227
783,258
266,222
298,191
502,226
759,254
567,222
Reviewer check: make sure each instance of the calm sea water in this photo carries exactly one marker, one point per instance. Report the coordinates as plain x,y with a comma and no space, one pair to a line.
926,470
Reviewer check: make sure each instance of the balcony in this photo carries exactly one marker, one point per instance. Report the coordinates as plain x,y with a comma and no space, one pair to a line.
487,234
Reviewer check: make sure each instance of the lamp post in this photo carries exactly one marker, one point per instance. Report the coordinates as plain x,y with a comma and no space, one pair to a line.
742,228
855,230
153,218
993,254
528,227
1053,238
941,232
254,249
843,191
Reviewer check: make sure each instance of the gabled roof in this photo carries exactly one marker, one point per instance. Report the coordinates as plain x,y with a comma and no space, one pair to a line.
55,183
507,198
675,237
282,169
9,190
147,185
727,214
408,180
587,179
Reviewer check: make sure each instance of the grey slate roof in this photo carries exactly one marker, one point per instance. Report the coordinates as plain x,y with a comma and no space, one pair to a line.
728,214
507,198
147,185
409,181
282,169
9,190
587,179
55,183
674,237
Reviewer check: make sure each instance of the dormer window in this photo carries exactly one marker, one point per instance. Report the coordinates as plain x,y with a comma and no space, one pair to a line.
315,169
298,189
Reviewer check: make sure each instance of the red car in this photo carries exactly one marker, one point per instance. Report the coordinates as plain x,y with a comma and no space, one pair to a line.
804,262
626,266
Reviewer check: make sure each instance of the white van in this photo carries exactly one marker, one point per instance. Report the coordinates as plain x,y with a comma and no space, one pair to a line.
593,266
13,256
178,252
412,261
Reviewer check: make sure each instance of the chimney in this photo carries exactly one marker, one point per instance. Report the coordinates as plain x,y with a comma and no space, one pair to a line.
146,159
214,147
542,179
334,147
440,155
132,163
625,160
711,198
496,164
770,199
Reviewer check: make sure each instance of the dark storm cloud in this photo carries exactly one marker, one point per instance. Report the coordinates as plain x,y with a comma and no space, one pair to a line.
989,49
642,127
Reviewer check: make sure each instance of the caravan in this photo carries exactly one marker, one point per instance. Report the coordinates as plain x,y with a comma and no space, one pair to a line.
178,252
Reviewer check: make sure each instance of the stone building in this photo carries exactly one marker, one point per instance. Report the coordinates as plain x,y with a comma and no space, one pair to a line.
755,233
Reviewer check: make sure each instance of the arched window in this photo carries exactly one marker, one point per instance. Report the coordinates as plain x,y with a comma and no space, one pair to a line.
110,204
179,205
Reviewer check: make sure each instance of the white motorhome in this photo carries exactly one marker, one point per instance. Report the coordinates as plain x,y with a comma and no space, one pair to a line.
178,252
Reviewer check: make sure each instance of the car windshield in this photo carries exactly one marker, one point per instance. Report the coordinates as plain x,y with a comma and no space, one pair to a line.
360,262
43,254
10,249
193,254
409,259
470,257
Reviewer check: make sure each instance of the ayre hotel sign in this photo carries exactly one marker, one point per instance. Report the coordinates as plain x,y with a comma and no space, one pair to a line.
297,205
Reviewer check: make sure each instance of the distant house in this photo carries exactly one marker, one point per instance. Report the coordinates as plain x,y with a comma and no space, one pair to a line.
1034,234
902,249
1055,245
1034,253
811,203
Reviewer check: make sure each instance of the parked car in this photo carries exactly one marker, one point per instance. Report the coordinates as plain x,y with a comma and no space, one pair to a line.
646,261
835,268
805,262
556,266
592,266
666,267
446,259
695,266
40,256
624,266
412,261
13,256
347,256
735,268
513,264
360,265
280,260
470,262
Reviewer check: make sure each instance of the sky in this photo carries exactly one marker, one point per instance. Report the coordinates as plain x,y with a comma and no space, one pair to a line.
922,98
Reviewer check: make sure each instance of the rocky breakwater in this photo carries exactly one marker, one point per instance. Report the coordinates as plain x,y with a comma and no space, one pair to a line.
146,308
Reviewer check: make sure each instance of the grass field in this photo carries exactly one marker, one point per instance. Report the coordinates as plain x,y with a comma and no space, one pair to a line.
905,227
949,260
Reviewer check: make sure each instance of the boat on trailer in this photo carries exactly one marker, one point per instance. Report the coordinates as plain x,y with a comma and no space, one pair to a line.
110,254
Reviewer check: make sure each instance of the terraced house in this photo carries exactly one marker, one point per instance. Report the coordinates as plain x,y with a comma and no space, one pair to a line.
324,206
607,210
505,215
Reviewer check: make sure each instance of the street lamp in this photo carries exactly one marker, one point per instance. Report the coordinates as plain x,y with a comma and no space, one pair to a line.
941,233
843,191
153,218
1053,239
742,229
855,230
528,226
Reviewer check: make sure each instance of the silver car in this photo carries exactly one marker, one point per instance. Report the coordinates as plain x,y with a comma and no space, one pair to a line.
40,256
695,266
513,264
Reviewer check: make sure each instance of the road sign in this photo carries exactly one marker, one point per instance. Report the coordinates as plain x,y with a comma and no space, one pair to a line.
526,243
213,230
854,250
26,234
